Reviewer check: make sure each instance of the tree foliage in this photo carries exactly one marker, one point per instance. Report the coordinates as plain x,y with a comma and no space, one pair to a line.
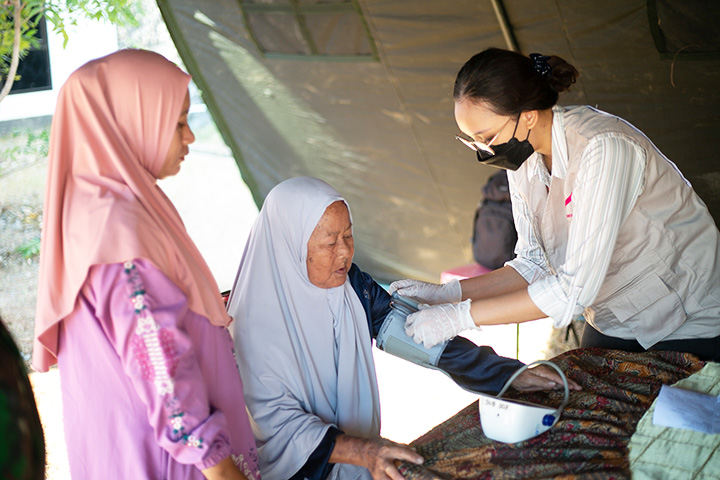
22,16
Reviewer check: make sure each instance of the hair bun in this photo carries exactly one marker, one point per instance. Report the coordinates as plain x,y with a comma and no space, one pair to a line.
563,74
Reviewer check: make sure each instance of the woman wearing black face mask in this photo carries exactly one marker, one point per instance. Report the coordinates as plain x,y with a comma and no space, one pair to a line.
607,226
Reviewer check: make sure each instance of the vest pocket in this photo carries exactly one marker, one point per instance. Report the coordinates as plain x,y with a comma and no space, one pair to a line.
650,308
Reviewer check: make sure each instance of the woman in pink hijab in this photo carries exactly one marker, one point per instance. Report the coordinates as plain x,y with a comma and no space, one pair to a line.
127,307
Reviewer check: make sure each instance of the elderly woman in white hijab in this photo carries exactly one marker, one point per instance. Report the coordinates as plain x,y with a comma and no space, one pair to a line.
304,318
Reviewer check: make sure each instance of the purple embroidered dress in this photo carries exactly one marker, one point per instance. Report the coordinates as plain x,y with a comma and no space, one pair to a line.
150,389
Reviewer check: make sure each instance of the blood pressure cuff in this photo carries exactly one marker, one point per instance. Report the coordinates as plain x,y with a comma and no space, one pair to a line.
392,337
474,368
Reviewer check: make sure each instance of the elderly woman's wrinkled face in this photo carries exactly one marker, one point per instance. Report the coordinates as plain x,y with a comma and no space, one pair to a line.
331,248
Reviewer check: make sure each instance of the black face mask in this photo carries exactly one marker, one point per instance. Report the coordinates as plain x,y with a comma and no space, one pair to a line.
509,155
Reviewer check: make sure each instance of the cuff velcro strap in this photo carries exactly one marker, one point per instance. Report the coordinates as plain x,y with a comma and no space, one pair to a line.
393,339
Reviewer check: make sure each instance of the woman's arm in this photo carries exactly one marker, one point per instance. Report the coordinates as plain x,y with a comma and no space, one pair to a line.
473,367
513,307
609,181
503,280
606,188
145,314
498,282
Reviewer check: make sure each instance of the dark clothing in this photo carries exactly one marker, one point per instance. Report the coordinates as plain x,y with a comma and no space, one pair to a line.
318,465
707,349
472,367
22,444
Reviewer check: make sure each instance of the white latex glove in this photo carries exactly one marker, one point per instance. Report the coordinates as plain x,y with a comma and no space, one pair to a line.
434,324
430,293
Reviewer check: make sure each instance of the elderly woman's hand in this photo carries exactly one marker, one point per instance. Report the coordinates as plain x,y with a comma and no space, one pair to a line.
378,455
430,293
541,378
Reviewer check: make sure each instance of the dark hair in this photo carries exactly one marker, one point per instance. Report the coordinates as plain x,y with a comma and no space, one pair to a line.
509,82
23,431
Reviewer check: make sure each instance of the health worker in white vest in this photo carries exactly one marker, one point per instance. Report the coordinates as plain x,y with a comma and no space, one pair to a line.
608,227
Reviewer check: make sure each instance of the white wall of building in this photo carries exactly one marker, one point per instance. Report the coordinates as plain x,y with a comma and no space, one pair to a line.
87,40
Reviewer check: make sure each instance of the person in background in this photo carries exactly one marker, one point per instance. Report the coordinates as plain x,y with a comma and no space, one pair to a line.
304,320
127,306
608,227
22,442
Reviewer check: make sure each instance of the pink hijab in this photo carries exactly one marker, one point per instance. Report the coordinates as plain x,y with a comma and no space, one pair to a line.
111,131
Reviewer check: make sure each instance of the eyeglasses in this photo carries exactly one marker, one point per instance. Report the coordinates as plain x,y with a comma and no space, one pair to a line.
483,149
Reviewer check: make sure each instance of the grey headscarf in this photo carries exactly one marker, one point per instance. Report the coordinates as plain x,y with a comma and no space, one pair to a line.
304,352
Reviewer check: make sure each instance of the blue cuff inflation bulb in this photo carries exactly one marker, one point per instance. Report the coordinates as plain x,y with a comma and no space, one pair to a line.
548,420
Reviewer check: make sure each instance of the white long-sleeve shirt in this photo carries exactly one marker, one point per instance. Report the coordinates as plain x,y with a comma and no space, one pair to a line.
607,185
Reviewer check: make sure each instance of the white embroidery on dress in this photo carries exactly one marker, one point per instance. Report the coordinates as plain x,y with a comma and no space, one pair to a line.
155,354
239,461
148,329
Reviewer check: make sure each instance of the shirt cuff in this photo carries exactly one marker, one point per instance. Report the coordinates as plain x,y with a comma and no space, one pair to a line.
530,271
317,466
211,437
217,452
548,296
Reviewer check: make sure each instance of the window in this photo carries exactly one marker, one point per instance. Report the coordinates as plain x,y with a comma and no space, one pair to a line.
34,68
688,28
332,30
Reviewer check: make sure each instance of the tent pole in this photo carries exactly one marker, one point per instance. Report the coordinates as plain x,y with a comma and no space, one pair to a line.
505,26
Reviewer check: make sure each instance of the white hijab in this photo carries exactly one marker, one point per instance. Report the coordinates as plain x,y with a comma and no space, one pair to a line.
304,352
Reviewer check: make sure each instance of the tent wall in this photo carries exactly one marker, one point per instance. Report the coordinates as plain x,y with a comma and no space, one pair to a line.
381,131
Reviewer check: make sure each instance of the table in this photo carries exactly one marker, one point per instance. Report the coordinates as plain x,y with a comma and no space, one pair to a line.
589,441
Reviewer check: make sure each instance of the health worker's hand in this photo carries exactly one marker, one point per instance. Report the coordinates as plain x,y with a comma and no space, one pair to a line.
434,324
430,293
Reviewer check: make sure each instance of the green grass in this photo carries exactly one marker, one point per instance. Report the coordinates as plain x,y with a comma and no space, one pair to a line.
29,249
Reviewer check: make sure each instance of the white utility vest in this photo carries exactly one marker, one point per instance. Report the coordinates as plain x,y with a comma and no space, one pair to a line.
663,281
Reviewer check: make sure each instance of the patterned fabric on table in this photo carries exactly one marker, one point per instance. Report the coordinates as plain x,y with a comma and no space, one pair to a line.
589,441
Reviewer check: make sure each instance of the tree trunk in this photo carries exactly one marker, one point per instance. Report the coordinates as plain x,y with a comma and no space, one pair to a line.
16,51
